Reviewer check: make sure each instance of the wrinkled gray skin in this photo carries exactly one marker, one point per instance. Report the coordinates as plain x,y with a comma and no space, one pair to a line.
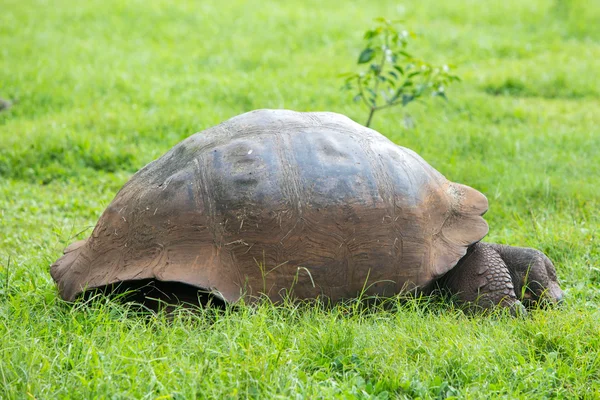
495,274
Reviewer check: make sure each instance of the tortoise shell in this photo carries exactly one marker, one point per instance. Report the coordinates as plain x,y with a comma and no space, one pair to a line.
278,202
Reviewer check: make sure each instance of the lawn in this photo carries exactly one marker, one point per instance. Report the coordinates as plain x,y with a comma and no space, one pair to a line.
101,88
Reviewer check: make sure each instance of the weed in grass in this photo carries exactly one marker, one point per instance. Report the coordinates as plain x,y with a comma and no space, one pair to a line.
394,77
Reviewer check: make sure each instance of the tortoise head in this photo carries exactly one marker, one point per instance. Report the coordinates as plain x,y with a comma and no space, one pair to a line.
539,283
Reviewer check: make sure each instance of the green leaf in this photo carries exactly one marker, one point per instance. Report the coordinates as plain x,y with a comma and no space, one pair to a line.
366,55
407,98
440,94
372,33
396,95
399,69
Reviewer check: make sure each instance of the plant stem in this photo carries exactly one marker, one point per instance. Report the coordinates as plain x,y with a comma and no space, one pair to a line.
376,88
373,109
362,93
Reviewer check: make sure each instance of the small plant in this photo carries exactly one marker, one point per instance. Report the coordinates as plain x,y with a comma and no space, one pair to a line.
393,76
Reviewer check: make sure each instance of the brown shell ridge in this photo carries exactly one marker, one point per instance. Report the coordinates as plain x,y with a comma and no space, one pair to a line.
463,226
75,272
292,185
63,273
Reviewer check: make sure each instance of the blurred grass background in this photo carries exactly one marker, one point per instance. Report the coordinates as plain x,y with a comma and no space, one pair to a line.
102,88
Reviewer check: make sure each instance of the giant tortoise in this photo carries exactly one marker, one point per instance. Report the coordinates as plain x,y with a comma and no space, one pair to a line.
286,204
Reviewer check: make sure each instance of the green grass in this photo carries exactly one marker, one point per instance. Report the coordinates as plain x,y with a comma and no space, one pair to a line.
101,88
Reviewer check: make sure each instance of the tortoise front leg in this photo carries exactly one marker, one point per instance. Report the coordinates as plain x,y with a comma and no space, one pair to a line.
533,274
483,280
